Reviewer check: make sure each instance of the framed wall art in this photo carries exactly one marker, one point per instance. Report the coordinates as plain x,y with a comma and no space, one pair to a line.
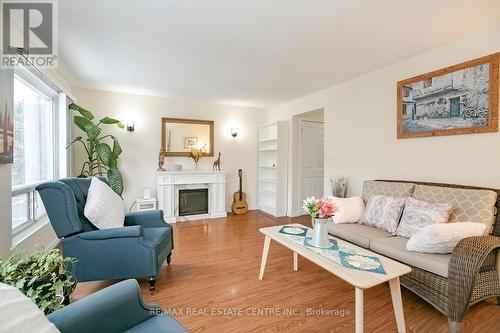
460,99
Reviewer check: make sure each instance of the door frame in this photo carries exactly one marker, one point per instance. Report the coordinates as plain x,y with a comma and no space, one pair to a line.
299,164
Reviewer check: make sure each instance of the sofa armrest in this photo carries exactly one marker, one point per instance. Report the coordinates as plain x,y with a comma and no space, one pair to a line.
465,263
113,309
124,232
149,218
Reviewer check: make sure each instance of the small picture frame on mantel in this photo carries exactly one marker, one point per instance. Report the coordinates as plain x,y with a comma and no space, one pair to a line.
460,99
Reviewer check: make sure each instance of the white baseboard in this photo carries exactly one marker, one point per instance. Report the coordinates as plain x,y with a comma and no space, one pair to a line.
295,213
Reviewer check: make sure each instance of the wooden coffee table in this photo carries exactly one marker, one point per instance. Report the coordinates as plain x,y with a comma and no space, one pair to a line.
361,280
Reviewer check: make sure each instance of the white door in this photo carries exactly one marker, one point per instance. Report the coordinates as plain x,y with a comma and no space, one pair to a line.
311,159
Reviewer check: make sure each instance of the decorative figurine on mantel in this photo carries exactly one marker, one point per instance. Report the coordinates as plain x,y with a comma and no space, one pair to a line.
216,165
161,159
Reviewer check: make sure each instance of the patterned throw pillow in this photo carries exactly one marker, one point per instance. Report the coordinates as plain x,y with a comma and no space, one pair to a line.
419,214
383,212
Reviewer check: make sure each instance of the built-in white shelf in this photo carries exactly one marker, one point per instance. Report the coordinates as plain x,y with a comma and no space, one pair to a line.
268,192
267,181
272,176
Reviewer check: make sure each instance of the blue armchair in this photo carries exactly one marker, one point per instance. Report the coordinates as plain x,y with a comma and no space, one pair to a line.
115,309
134,251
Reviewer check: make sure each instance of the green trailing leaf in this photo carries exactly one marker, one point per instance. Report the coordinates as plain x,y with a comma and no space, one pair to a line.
111,121
86,113
115,180
92,132
113,162
82,122
104,153
117,149
77,139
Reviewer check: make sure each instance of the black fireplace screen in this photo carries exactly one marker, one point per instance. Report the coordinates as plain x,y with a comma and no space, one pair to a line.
193,201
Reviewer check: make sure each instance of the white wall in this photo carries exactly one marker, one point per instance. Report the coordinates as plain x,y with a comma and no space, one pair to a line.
139,159
360,125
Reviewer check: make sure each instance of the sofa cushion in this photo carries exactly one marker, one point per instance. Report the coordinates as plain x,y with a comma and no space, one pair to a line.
395,248
468,205
358,234
390,189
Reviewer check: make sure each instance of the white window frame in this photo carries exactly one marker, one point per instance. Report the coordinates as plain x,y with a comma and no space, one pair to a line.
53,93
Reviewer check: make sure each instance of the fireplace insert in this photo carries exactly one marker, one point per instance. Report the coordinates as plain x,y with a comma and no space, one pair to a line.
193,201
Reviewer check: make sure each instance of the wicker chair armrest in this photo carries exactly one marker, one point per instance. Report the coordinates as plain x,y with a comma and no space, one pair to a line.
466,261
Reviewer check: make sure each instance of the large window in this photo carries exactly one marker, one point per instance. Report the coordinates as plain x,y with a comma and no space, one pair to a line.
35,146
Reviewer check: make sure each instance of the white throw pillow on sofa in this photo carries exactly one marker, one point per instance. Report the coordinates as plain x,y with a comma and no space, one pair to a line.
104,208
442,238
349,210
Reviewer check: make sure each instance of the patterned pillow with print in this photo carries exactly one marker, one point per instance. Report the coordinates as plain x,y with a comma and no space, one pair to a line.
383,212
419,214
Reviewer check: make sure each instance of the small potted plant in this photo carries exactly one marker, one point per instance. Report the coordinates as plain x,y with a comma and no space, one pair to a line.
42,276
321,210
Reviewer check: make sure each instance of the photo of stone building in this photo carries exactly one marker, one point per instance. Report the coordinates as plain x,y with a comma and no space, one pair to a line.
454,100
6,122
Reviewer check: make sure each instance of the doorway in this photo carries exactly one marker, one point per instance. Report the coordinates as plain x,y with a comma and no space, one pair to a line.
307,167
455,107
311,159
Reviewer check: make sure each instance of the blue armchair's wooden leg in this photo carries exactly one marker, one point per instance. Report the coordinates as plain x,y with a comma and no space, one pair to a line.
152,284
169,258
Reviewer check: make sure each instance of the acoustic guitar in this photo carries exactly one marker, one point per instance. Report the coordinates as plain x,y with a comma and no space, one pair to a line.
240,205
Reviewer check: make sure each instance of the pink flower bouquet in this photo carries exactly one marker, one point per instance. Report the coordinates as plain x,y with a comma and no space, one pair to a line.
319,208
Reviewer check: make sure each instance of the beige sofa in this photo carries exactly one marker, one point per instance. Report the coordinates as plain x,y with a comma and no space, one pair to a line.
450,282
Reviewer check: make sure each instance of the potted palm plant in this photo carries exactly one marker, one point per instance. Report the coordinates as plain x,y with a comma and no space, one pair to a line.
102,157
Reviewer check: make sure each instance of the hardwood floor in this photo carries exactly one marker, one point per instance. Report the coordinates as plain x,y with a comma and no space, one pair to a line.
212,285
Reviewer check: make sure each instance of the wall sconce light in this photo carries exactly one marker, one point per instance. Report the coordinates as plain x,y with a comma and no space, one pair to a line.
130,126
234,132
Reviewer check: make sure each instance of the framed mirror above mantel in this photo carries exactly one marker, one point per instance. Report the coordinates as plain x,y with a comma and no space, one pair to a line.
180,136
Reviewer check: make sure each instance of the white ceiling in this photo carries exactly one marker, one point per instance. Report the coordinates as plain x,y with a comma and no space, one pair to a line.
250,52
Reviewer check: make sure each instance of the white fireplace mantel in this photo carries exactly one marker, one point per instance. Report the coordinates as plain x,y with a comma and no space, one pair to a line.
170,182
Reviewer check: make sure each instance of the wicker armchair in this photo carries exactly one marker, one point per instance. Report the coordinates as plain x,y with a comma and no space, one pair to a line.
473,272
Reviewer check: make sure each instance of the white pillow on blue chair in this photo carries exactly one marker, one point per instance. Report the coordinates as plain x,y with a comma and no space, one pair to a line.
104,208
